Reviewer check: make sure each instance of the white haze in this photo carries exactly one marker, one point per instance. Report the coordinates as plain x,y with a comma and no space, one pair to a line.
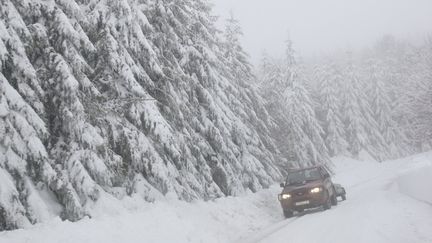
318,26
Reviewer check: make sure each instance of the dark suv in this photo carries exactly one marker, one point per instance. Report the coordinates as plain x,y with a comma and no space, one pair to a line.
307,188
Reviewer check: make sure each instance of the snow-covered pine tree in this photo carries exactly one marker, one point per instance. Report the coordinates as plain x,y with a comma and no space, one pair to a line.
305,134
241,73
420,102
297,130
380,81
234,52
329,109
361,128
28,167
213,86
271,84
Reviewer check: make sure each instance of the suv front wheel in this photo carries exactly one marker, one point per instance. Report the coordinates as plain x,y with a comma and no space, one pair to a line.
334,200
327,205
288,214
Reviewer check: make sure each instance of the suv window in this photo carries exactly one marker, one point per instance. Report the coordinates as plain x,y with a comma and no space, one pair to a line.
324,172
298,177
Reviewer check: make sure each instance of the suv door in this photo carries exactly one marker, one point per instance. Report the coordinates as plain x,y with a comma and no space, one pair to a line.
328,184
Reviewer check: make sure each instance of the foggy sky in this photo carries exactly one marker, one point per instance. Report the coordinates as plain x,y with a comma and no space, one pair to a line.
321,26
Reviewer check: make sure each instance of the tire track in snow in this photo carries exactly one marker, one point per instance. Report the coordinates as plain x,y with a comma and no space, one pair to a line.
270,230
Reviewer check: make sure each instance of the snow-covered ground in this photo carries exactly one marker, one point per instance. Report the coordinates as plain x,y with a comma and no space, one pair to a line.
387,202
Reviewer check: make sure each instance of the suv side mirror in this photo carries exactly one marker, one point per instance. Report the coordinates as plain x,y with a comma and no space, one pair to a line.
282,185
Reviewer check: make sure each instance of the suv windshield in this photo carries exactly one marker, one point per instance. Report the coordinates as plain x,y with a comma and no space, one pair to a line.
301,176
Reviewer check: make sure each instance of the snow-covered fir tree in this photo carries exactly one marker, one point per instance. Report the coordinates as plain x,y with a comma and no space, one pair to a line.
420,98
305,132
234,53
361,128
297,130
330,81
379,77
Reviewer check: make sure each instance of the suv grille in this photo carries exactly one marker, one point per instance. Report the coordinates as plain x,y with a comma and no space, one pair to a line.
300,192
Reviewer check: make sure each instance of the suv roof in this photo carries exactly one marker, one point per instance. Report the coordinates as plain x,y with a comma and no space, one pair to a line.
307,168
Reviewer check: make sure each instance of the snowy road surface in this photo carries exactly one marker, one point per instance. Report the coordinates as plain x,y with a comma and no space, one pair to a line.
387,202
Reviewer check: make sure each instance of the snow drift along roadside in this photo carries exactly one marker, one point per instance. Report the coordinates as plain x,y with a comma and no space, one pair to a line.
221,220
417,184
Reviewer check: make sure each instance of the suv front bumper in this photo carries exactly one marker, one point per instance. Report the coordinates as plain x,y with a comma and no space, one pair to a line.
306,201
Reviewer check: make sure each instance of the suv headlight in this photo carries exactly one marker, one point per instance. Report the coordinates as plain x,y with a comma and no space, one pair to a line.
284,196
316,190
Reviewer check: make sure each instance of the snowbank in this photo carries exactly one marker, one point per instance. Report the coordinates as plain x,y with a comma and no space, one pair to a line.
221,220
417,184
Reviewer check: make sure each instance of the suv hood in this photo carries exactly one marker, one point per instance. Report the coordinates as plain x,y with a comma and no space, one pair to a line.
308,185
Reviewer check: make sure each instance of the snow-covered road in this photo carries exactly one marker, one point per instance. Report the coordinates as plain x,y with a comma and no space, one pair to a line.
387,202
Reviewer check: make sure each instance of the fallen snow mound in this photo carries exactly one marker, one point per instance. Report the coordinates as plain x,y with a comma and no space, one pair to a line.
221,220
417,184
